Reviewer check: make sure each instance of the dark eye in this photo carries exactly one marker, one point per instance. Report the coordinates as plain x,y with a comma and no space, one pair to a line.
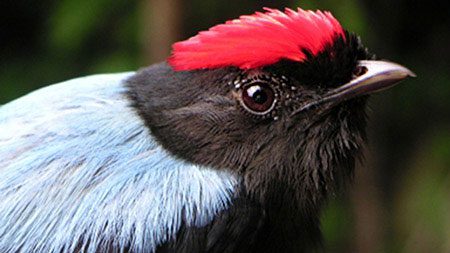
258,98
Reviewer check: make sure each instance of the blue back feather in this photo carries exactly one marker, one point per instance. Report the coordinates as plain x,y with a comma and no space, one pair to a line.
79,170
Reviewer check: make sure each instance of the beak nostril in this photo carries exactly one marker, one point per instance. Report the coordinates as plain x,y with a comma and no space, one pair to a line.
359,71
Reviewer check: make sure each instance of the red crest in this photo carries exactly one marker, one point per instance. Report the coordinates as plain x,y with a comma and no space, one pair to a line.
257,40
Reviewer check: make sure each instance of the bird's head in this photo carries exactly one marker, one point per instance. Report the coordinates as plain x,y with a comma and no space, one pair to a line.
276,97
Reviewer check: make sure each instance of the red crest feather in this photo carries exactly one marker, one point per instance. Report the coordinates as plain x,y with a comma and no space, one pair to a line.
257,40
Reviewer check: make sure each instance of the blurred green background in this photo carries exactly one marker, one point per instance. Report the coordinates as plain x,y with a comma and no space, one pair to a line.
400,201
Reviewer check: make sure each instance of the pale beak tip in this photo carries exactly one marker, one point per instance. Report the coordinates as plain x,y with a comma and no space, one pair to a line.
407,72
411,74
404,71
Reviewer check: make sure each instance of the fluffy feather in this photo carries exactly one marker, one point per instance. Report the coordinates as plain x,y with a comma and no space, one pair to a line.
258,40
79,170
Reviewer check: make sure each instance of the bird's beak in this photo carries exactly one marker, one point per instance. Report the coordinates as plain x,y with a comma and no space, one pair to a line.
370,77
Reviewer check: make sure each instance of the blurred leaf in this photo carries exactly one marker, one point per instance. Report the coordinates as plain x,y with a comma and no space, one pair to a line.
117,62
348,12
337,225
73,21
423,205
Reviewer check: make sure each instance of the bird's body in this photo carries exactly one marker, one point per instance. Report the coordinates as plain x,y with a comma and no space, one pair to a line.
233,154
117,189
82,166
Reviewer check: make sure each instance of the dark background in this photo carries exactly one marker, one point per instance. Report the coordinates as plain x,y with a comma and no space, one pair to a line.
400,201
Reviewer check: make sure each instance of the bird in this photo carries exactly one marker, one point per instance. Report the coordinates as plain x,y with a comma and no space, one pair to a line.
233,144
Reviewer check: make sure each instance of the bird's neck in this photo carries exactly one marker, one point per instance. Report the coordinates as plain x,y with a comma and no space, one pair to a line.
284,225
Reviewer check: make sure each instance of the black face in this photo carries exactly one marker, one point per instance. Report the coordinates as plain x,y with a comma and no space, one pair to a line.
243,120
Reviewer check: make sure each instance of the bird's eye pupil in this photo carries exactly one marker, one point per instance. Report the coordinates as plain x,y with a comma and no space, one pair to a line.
258,95
258,98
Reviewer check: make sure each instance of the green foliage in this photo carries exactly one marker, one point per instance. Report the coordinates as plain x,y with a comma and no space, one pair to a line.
423,203
73,21
337,225
348,12
77,38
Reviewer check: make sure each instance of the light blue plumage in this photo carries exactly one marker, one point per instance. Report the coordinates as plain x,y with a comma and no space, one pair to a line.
78,165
